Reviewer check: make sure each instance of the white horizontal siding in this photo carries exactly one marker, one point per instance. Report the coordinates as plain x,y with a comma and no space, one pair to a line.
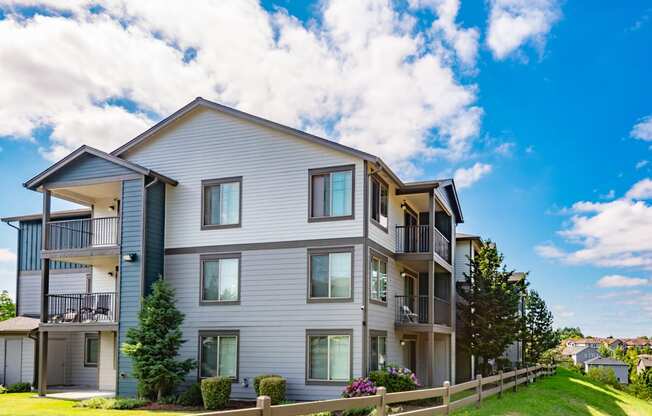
274,167
106,369
29,289
462,259
79,375
272,316
27,365
396,217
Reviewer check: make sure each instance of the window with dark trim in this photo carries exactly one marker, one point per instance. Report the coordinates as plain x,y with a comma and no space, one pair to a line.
377,350
379,202
378,278
331,193
330,274
329,356
219,354
219,278
221,203
91,350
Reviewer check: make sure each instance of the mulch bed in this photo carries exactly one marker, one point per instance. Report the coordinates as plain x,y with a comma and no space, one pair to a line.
233,405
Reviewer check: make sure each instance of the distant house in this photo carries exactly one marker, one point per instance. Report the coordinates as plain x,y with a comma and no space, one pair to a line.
619,367
644,363
584,342
614,343
580,355
638,342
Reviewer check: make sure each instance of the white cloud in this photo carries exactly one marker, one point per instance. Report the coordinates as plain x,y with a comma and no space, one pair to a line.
465,177
643,129
641,164
7,256
513,23
562,313
345,74
617,280
506,149
609,195
610,234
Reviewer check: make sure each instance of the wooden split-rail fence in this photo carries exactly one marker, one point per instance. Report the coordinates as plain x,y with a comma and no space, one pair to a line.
479,389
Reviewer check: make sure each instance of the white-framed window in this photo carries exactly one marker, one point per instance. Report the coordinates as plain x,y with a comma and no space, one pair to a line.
220,278
329,357
218,354
378,279
330,273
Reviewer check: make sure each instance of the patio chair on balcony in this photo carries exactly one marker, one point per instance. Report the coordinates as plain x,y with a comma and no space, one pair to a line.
408,315
102,307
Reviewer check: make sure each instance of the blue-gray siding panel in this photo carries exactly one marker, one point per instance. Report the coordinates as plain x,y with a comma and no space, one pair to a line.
130,275
88,167
30,243
154,233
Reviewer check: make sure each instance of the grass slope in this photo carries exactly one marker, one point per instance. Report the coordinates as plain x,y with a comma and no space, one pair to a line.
566,394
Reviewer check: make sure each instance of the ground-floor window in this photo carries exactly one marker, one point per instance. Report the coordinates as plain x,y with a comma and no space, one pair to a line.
377,350
91,350
218,354
329,356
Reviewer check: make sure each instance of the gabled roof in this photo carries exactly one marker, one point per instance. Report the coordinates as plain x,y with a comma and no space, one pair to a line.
645,359
55,215
39,179
576,349
605,361
200,102
19,324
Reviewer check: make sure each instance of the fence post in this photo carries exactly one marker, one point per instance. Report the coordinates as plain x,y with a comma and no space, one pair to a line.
264,403
515,378
380,410
479,390
447,397
527,375
500,392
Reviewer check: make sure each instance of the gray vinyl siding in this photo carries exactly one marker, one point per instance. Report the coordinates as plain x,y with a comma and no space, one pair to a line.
26,359
29,245
462,255
2,360
272,317
274,170
130,276
76,373
86,167
29,288
154,233
395,217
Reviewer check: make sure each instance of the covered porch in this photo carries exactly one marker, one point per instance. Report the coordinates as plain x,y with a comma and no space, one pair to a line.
428,354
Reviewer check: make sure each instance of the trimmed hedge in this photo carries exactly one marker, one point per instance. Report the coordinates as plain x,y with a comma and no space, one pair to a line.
258,379
191,397
110,404
394,379
19,388
274,387
215,392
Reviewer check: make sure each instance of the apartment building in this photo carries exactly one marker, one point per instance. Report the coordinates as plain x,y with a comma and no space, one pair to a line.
289,254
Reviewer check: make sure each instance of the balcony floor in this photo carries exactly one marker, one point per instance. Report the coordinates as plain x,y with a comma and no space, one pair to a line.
81,255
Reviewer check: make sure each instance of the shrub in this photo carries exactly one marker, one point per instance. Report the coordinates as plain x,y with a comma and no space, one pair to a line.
168,399
3,389
359,387
19,388
359,411
274,387
191,397
215,392
109,404
604,375
258,379
394,379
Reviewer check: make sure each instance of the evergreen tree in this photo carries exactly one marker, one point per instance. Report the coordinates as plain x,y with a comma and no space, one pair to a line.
490,309
7,306
568,332
154,344
539,335
604,351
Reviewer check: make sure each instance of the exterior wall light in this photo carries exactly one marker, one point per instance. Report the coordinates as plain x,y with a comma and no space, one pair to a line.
129,257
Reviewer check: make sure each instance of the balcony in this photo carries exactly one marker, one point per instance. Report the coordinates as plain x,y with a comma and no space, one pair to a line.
412,310
82,237
81,308
416,239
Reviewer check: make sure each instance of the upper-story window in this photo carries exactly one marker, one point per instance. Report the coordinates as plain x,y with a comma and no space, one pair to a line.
378,279
331,193
330,273
379,201
220,278
221,203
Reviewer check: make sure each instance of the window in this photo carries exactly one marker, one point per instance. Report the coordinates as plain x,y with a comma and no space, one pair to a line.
218,354
330,272
378,276
331,193
379,193
220,278
329,356
378,350
91,350
221,203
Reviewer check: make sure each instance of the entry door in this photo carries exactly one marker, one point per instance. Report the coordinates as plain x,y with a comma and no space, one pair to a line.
411,232
13,361
56,361
410,355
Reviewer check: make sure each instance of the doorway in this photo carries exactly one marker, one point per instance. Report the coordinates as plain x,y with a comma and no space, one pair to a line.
410,354
13,360
56,362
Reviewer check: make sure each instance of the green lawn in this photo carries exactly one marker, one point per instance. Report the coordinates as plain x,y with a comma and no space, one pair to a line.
25,404
565,394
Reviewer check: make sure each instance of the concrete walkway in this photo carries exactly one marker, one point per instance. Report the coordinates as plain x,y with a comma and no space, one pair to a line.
78,395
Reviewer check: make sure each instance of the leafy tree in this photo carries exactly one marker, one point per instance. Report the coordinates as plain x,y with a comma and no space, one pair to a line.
491,306
154,344
539,335
604,351
618,353
568,332
7,306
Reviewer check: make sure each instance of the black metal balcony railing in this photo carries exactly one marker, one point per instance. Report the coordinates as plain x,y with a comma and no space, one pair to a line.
81,307
414,310
416,239
83,233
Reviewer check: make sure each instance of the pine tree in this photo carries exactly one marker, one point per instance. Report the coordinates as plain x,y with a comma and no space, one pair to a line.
490,309
154,344
539,335
7,306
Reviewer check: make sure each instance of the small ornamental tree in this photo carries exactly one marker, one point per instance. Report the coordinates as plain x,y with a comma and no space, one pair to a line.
154,344
566,332
539,335
604,351
7,306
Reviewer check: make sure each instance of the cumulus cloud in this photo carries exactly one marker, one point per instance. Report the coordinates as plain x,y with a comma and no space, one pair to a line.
617,280
611,234
562,313
361,73
7,256
465,177
513,23
641,164
643,129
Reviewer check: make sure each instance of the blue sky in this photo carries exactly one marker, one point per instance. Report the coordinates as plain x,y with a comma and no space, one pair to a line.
532,106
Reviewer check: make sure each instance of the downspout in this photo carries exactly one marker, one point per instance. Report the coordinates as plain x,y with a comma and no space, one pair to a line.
34,334
365,261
